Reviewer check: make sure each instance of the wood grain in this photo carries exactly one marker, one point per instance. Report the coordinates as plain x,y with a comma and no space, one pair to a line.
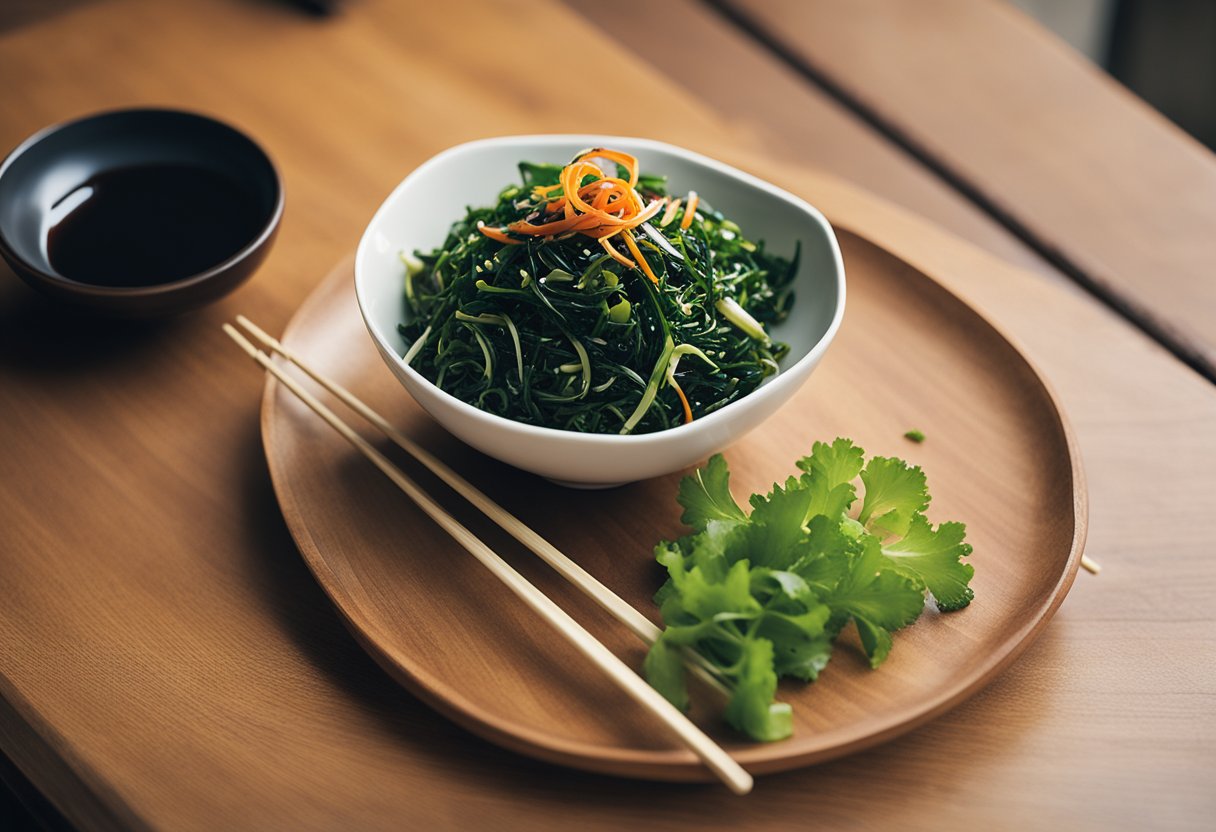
713,63
1091,176
14,13
167,660
435,620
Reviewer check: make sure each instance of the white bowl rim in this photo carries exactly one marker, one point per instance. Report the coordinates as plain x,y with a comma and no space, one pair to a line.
492,421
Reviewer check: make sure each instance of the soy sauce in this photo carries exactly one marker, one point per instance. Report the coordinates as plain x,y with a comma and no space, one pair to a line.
150,224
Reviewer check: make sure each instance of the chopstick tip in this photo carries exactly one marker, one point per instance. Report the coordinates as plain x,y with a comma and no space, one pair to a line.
260,334
241,341
741,785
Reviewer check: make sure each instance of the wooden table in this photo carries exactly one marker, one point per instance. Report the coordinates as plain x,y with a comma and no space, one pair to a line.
166,659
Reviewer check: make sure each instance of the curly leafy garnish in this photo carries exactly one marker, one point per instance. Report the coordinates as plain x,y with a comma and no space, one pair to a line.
705,495
764,595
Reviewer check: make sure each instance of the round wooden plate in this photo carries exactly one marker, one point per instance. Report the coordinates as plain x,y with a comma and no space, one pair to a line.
999,457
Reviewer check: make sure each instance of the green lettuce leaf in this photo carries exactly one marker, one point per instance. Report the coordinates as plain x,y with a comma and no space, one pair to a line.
752,709
664,668
705,495
932,557
775,533
835,464
878,597
764,595
895,491
830,471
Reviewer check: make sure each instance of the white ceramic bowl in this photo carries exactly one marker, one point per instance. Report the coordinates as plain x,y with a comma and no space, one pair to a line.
420,210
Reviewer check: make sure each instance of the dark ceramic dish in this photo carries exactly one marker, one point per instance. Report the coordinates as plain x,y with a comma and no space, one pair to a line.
50,165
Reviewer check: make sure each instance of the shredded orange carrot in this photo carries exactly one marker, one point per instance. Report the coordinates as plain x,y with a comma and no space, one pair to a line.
649,213
630,163
600,201
498,234
609,230
572,174
601,232
690,209
600,209
683,401
606,242
637,255
550,228
673,207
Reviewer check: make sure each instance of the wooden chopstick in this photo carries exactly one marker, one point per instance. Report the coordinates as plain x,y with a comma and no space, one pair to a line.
713,755
546,551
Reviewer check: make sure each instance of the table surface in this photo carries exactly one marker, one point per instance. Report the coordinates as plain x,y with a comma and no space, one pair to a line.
166,660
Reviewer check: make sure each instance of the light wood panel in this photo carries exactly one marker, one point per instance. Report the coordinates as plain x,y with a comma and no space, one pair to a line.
1095,177
167,660
705,55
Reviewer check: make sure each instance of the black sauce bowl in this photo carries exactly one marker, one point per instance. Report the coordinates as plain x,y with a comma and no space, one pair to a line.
53,162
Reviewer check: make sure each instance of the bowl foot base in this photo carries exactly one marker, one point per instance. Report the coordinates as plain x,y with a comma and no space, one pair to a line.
587,486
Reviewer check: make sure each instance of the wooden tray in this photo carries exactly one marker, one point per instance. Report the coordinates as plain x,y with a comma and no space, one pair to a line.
999,456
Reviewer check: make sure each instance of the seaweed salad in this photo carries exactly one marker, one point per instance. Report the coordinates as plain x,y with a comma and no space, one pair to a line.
589,299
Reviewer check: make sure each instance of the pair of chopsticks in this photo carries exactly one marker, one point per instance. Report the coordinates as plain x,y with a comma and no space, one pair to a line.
714,757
